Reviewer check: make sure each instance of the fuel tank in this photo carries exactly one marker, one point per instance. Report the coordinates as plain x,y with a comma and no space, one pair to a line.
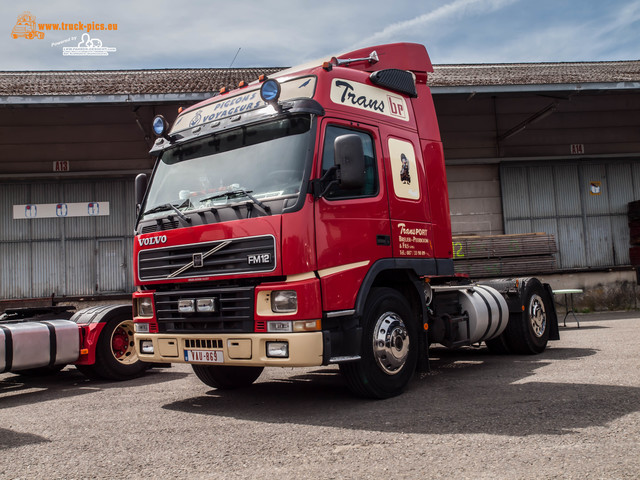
30,344
487,310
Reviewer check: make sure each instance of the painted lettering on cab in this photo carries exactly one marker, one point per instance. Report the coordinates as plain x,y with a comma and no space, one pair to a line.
362,101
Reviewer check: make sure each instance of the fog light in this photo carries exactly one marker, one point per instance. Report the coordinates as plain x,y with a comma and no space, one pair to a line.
141,327
284,301
206,305
186,306
146,347
279,327
145,307
278,349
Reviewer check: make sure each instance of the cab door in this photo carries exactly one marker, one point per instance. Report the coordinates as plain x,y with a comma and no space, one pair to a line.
352,226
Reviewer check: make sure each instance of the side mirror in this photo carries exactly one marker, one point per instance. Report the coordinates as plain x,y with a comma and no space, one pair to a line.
140,188
349,157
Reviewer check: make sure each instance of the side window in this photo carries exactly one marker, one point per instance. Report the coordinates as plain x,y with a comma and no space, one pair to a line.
370,187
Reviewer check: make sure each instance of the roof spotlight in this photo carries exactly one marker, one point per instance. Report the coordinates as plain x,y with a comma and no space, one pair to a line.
160,126
270,92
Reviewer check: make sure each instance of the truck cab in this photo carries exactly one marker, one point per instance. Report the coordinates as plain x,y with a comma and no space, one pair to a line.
302,220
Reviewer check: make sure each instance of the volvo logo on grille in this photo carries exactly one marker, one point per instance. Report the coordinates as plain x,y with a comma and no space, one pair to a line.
198,260
152,240
258,259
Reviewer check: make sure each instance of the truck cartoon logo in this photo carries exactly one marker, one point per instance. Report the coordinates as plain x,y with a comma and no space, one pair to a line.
26,27
405,176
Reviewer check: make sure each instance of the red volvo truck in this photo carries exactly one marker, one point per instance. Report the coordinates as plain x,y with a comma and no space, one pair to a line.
303,220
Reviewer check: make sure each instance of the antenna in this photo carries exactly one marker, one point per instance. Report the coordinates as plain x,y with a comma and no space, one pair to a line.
236,56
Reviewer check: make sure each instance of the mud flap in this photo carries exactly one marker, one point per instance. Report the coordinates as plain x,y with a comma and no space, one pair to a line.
552,315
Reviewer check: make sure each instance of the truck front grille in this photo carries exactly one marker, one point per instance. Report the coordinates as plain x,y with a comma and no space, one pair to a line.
228,257
233,310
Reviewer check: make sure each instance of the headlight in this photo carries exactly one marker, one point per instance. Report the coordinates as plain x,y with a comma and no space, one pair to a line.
284,301
145,307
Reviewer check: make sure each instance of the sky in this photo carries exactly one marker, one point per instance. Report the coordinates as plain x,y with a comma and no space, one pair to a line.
148,34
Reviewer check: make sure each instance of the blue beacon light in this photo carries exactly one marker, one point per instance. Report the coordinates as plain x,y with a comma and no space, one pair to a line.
160,126
270,91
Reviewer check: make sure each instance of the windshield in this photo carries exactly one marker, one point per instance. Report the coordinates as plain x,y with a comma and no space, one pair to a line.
252,163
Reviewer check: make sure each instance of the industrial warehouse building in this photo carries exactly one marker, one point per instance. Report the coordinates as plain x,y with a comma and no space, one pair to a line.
549,148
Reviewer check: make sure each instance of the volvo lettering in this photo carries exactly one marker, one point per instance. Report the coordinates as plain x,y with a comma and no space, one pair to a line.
152,240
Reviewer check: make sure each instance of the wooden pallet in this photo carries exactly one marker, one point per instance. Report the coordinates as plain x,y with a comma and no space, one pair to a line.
504,255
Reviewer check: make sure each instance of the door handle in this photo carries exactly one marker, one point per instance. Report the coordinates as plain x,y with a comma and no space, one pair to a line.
384,240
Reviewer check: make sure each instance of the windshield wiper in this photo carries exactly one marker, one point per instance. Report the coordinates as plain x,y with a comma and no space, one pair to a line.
236,193
170,206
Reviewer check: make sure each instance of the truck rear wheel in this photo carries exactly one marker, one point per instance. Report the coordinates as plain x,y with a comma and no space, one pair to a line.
227,377
528,331
389,349
116,357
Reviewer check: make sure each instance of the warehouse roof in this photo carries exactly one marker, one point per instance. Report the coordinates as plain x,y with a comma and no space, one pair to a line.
190,81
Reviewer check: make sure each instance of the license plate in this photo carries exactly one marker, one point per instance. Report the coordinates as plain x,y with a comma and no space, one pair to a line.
204,356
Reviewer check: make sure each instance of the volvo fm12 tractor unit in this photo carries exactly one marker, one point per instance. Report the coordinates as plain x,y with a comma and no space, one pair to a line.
303,220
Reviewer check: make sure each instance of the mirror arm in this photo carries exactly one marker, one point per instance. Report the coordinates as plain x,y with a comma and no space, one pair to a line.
317,186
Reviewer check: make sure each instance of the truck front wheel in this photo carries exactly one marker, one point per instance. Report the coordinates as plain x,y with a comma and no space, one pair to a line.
389,349
227,377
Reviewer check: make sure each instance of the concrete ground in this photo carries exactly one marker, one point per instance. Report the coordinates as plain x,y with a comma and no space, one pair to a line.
571,412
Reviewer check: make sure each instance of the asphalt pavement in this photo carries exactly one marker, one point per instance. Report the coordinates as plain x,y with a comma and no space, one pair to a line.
571,412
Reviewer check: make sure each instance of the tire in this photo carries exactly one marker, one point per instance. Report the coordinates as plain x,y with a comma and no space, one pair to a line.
498,345
527,332
116,357
389,350
227,377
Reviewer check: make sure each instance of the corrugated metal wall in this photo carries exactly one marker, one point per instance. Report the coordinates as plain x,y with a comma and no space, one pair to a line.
583,204
73,256
474,199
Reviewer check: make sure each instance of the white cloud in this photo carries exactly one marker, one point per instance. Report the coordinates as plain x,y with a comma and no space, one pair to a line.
455,9
208,33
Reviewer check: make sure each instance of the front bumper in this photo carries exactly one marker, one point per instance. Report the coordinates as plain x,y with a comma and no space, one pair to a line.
245,349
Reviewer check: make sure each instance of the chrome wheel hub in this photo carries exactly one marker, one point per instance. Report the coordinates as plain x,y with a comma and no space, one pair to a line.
537,315
390,343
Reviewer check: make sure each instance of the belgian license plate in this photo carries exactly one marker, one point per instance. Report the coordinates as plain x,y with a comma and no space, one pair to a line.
204,356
